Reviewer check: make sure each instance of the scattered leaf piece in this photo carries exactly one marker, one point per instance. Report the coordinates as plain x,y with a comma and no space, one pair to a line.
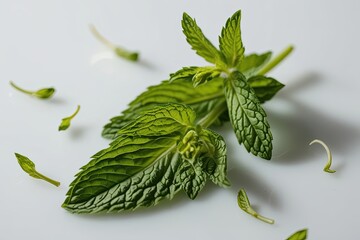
65,122
328,164
299,235
43,93
29,167
119,51
244,204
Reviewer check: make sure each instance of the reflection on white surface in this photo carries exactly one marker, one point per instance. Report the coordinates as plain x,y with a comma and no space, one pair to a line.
100,56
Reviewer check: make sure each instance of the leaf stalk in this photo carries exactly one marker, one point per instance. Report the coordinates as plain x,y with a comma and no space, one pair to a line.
276,60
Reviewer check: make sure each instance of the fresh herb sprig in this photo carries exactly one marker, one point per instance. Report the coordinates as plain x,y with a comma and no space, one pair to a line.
162,144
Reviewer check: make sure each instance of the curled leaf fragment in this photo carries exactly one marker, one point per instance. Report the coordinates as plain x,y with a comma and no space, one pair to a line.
244,204
29,167
328,164
65,122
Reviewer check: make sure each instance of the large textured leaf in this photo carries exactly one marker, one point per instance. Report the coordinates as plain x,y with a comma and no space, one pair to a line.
265,87
202,99
137,169
231,44
164,120
252,63
197,40
247,116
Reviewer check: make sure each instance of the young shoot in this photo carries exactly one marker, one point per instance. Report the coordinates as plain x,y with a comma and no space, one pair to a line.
328,164
65,122
244,204
43,93
119,51
29,167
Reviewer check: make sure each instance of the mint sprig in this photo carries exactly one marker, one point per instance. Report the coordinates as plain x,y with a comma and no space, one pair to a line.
162,144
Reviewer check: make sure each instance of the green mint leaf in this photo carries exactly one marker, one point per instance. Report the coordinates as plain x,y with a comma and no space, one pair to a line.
65,122
29,167
138,169
299,235
215,157
265,87
43,93
247,116
244,204
198,42
192,178
201,99
165,119
252,63
119,51
329,162
231,44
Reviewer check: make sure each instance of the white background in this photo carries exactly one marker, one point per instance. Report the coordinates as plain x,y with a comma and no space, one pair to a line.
48,43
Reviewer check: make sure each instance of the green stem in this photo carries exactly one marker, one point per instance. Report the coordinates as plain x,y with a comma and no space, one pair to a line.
213,115
275,61
132,56
20,89
76,112
101,38
264,219
49,180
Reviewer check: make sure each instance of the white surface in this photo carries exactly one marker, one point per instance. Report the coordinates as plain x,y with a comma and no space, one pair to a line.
44,43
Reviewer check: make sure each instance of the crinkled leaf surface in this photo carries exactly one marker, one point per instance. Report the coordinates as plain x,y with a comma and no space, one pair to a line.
202,99
215,162
192,178
137,169
247,116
